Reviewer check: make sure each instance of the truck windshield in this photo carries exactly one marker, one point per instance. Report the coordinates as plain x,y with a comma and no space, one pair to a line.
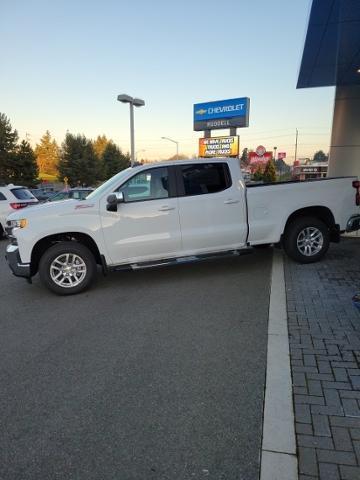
104,186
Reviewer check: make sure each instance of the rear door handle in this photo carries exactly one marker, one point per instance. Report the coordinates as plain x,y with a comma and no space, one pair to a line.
166,208
231,200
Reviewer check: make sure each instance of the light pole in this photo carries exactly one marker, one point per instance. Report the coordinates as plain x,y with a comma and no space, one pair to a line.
275,148
137,102
177,145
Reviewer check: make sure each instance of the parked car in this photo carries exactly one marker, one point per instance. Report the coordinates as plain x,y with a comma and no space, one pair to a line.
42,194
13,197
75,193
175,212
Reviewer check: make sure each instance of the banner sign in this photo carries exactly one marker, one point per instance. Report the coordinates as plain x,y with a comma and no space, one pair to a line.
219,147
309,169
255,158
222,114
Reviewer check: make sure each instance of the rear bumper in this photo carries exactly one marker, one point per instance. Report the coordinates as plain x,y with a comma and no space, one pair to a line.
13,259
353,223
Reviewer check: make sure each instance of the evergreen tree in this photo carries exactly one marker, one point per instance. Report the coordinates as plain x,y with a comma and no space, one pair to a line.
282,168
25,169
8,141
100,144
47,155
245,157
270,172
258,174
78,161
113,160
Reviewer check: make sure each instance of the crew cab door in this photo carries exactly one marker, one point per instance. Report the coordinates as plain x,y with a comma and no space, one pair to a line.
146,225
211,207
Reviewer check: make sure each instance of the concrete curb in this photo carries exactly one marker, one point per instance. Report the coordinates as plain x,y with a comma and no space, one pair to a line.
278,456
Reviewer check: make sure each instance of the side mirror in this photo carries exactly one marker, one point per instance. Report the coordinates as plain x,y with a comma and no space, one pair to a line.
113,200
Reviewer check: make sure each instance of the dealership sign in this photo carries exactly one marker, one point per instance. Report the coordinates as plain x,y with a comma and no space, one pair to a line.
222,114
219,146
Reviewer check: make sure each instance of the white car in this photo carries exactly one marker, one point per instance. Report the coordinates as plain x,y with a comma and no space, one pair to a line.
13,197
175,212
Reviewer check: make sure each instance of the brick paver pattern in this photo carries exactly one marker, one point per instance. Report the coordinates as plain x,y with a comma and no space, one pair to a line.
324,333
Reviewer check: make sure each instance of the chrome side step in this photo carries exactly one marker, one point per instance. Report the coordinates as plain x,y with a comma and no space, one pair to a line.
181,260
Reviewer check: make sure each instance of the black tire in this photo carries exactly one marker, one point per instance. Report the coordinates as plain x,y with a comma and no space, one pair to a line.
71,248
291,236
2,233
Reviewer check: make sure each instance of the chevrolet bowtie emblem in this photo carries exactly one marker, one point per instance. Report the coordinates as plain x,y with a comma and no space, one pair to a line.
201,111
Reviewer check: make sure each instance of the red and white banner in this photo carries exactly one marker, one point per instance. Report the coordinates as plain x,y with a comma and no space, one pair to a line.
254,158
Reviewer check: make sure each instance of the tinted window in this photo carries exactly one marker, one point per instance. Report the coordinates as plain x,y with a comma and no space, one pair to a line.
59,196
2,196
205,178
22,194
147,185
79,194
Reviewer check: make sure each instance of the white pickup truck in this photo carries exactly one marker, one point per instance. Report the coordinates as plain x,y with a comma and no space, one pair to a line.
175,212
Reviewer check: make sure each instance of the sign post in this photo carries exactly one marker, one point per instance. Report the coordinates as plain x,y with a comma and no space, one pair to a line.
221,114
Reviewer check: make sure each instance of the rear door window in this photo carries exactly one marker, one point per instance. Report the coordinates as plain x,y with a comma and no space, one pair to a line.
2,196
205,178
22,194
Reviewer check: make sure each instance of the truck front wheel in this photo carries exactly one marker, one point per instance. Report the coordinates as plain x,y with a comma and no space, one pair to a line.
67,268
306,239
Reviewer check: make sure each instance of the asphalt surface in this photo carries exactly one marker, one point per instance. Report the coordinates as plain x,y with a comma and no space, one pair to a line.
155,374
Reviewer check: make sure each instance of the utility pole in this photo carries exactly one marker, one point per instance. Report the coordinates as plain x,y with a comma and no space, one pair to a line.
296,144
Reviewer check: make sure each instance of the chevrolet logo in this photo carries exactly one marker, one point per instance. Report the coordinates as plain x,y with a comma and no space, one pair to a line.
201,111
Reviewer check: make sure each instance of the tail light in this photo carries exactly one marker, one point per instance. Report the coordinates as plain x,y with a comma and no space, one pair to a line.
356,184
17,206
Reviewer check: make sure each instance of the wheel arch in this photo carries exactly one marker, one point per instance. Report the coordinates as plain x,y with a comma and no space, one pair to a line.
43,244
320,212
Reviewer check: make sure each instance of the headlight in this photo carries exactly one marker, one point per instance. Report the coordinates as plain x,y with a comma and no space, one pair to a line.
12,225
21,223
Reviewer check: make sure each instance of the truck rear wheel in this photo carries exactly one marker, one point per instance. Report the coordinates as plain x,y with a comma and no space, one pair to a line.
67,268
306,239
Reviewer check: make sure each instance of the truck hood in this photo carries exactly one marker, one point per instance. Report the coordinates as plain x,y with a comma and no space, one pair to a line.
62,207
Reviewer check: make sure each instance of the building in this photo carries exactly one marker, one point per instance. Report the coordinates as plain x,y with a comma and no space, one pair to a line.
305,171
331,57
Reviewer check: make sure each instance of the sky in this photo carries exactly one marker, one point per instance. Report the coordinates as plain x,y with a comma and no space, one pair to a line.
64,62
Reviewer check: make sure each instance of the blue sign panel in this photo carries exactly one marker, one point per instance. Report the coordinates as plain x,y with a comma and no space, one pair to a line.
221,114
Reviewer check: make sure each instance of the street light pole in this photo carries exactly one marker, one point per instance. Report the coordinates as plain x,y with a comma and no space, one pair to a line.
177,145
137,102
132,135
296,144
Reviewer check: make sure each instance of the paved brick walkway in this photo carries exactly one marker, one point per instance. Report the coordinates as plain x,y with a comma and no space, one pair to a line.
324,329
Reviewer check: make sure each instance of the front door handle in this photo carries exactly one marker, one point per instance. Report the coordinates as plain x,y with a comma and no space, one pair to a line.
166,208
231,200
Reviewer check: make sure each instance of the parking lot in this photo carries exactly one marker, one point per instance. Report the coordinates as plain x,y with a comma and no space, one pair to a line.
151,374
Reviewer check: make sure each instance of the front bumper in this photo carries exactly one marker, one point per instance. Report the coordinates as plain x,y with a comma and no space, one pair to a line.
13,259
353,223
